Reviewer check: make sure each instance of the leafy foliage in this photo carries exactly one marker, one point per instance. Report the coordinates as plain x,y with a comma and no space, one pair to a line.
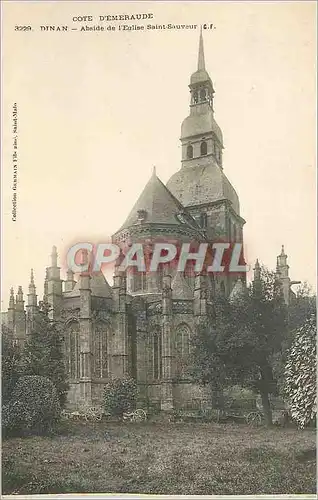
300,373
238,347
33,408
43,354
10,359
120,396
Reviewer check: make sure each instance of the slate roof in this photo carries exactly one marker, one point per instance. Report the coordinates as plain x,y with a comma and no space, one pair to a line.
197,185
160,206
201,123
98,285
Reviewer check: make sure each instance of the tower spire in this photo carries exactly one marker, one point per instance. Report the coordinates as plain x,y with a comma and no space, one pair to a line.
201,61
11,301
54,256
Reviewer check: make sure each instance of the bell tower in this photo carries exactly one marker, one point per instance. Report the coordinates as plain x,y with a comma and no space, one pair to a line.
201,137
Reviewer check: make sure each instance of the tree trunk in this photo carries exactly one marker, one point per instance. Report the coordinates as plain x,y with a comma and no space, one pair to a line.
267,409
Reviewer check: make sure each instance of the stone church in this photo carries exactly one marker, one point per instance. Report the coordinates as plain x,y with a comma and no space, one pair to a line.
143,323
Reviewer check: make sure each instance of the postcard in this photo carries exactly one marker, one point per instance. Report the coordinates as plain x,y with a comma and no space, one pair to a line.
159,247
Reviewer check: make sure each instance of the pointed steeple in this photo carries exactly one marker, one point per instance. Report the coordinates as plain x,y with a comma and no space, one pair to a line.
46,286
257,282
201,61
54,256
282,266
19,300
11,300
32,288
32,298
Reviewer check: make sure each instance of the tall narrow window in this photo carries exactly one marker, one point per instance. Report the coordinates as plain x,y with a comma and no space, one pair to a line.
203,148
139,281
222,287
203,220
72,350
189,152
182,349
195,97
100,351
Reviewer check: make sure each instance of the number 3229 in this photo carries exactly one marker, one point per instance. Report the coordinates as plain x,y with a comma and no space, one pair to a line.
22,28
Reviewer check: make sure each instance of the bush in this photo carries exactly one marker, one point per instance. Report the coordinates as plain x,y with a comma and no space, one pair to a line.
33,408
240,398
120,396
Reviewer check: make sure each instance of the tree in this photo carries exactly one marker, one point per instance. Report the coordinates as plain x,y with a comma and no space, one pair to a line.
300,373
240,346
10,359
43,353
300,308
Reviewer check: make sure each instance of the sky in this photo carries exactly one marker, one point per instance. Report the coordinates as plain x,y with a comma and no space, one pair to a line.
98,109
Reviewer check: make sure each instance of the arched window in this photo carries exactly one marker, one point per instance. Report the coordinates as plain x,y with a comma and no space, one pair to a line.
72,350
139,281
100,351
189,152
195,97
156,355
202,94
203,148
182,349
203,220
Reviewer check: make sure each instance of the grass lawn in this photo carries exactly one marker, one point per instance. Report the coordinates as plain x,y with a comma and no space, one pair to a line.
162,458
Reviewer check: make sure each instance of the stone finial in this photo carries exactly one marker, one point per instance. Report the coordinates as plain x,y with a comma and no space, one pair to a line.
11,300
19,297
54,256
32,285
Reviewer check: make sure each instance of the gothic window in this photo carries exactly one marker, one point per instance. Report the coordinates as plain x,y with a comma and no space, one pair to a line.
203,220
202,94
157,353
139,281
72,350
203,148
182,349
189,152
100,351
